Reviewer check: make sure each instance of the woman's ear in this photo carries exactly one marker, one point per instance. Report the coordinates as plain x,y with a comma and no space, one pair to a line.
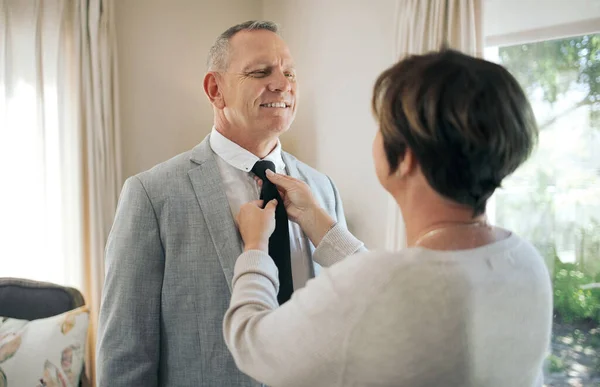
407,165
212,89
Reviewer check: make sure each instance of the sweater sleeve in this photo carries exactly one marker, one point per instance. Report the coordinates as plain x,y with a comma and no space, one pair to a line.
336,245
301,343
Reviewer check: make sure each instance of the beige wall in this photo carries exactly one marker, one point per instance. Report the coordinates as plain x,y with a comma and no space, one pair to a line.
162,46
340,47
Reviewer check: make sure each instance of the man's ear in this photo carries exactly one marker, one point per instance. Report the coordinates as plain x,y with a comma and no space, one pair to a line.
212,88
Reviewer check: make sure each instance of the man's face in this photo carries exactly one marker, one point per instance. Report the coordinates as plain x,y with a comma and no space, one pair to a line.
259,86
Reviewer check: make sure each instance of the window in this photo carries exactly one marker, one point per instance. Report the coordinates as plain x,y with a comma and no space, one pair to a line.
40,227
553,200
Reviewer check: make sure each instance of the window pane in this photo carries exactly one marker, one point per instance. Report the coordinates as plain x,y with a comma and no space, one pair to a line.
40,227
554,199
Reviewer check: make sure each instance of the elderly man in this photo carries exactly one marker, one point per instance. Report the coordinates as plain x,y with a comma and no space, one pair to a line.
172,249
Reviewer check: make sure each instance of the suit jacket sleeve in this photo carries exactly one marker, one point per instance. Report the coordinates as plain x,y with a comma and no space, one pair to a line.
129,321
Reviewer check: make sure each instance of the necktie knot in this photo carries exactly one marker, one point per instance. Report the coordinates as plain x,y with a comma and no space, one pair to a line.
260,168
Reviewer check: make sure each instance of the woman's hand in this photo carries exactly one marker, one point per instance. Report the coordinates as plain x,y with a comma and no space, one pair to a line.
257,224
302,207
299,201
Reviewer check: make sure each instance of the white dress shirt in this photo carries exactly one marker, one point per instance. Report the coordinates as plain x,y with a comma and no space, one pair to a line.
235,165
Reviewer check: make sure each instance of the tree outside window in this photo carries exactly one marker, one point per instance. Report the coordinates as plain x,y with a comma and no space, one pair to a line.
554,199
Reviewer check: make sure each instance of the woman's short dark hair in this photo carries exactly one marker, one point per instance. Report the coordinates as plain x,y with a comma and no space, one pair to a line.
467,121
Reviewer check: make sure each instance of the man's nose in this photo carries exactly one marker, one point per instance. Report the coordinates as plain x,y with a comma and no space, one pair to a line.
280,82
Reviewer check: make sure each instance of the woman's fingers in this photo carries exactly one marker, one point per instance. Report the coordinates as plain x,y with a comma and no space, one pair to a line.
271,206
281,181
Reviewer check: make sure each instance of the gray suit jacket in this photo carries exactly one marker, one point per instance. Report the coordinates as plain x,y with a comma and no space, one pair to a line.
169,263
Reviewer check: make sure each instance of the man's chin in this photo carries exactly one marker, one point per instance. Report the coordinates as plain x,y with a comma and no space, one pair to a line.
278,129
278,126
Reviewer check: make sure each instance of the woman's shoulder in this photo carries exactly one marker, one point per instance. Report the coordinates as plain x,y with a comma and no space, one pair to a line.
511,254
374,269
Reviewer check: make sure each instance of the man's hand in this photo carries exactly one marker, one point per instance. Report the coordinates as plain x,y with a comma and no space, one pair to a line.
257,224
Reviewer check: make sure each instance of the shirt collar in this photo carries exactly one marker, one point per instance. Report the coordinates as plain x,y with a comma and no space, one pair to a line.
240,158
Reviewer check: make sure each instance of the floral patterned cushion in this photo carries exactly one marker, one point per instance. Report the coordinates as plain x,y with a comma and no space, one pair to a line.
48,352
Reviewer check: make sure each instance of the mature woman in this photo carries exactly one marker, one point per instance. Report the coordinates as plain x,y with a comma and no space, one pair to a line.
466,304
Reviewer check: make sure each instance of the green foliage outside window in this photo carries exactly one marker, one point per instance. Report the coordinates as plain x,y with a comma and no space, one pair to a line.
557,66
554,199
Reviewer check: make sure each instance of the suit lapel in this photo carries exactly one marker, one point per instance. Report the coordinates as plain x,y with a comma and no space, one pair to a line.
291,167
292,170
210,193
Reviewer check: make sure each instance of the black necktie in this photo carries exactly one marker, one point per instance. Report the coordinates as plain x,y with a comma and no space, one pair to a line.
279,242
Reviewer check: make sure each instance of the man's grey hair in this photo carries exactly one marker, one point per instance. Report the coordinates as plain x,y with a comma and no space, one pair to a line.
218,55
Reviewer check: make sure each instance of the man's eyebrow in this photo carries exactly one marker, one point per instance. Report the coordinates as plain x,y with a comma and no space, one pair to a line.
265,65
255,64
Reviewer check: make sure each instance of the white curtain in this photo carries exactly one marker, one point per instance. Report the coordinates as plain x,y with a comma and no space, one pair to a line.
101,148
423,26
40,153
59,143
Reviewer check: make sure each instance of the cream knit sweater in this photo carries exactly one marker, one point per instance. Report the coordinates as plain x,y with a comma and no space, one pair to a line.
417,317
